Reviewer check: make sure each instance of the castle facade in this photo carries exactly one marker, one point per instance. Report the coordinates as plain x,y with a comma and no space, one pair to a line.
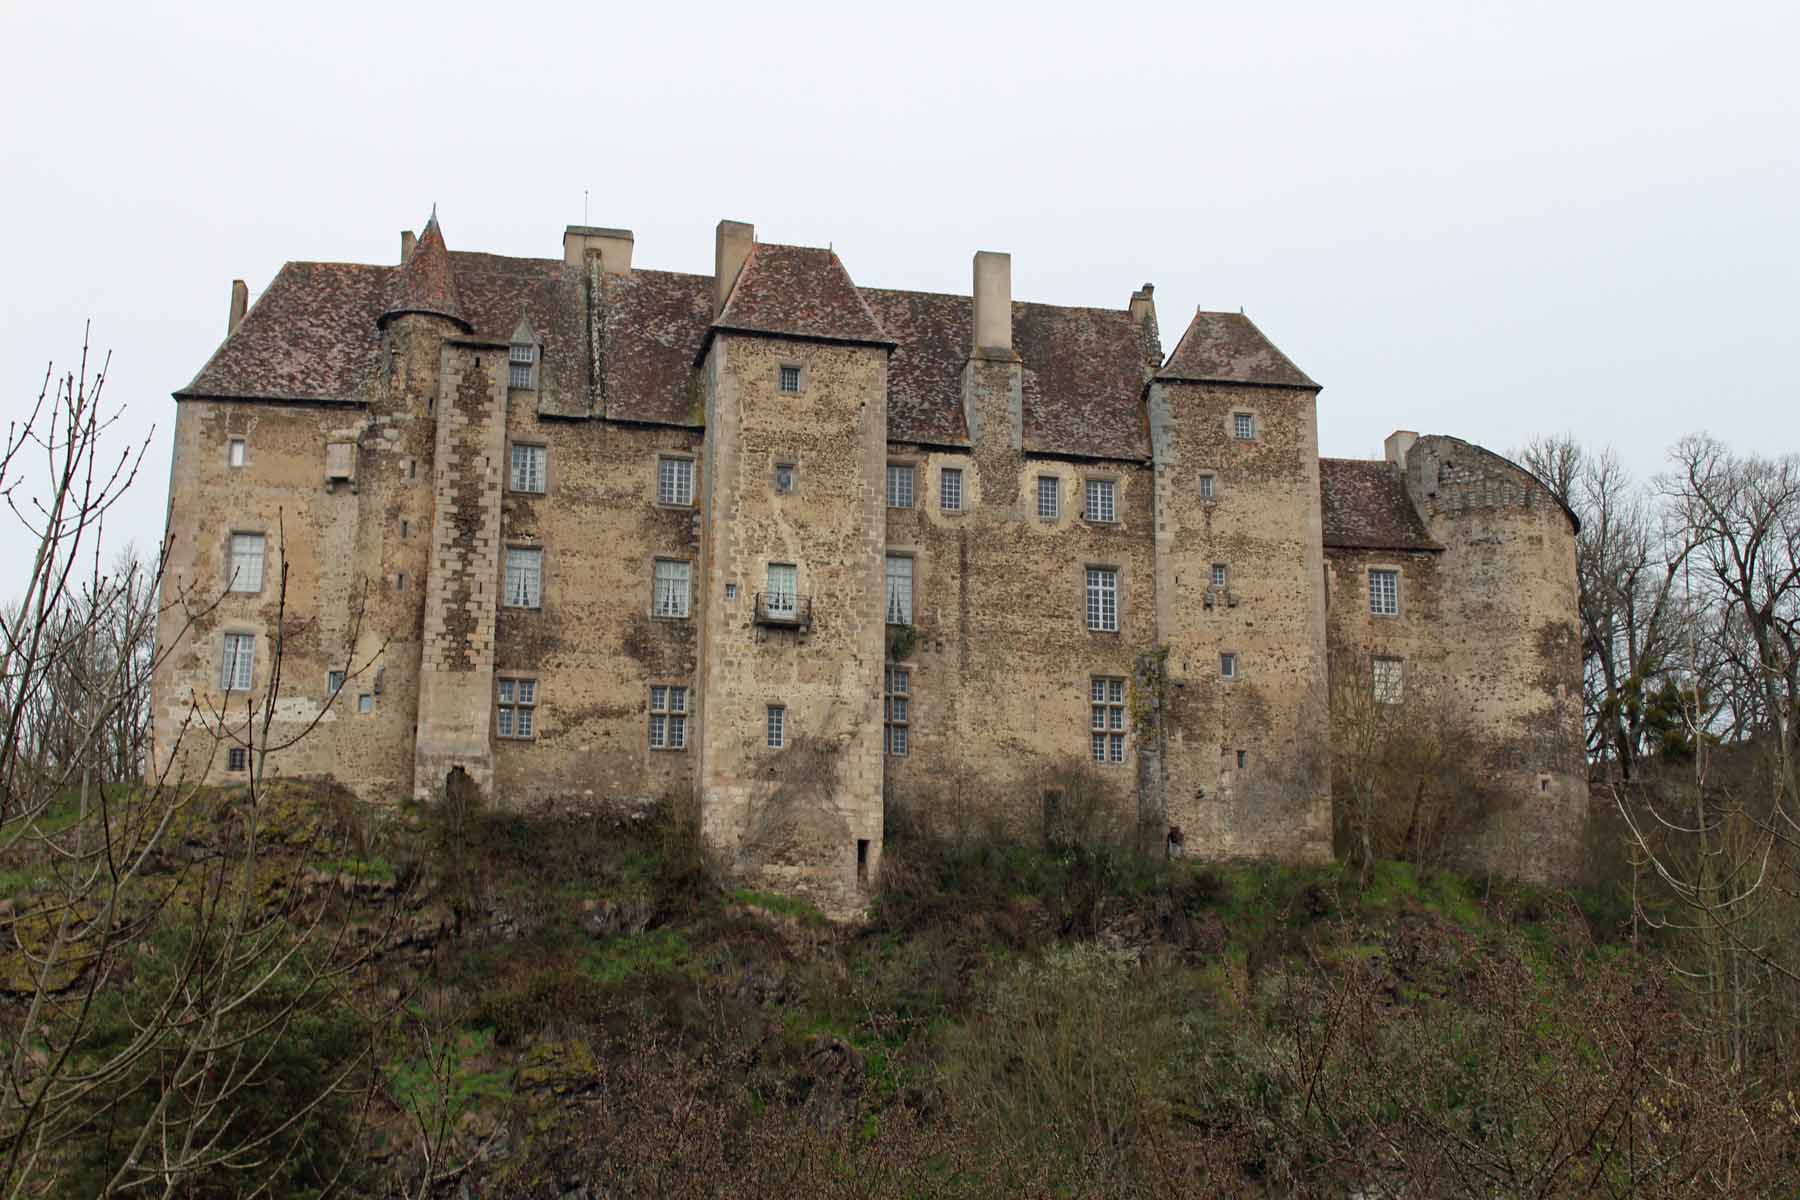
568,530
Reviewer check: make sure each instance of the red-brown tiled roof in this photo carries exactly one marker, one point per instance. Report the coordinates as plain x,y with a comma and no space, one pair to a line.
932,332
1229,348
1083,381
799,291
425,283
546,294
652,326
1364,506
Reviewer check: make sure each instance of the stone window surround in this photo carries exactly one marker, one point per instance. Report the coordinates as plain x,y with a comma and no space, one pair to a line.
512,676
236,629
1111,477
961,477
262,584
686,714
1199,489
536,444
240,444
791,364
543,574
1117,721
792,465
1392,688
1243,410
536,346
777,730
671,558
1055,496
1368,590
910,463
1118,573
917,559
1237,665
655,490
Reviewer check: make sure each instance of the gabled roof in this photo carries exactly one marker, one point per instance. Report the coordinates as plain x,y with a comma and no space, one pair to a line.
652,325
425,283
1364,506
1229,348
1083,381
799,291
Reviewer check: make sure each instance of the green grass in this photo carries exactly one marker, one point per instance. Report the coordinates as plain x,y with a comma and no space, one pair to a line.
21,880
653,952
786,906
376,869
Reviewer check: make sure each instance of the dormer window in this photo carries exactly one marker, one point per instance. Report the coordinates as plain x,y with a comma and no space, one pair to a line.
521,365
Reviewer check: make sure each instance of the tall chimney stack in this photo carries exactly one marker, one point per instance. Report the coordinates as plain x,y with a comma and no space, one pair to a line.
993,305
731,247
612,245
1143,315
407,241
240,303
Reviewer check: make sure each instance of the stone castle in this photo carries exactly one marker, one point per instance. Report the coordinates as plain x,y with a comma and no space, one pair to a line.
568,530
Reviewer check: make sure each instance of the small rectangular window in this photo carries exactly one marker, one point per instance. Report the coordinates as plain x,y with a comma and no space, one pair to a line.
524,577
1101,501
521,362
1243,757
675,481
1049,498
1220,573
237,758
896,710
1103,599
1106,720
1228,666
899,571
237,663
234,452
365,704
1208,486
405,528
399,581
950,496
1384,593
1243,426
246,562
515,707
775,727
528,468
670,588
334,683
862,861
785,474
790,379
668,717
899,486
1388,680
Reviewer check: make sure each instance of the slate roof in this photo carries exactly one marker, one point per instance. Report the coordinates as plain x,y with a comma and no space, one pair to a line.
799,291
1364,506
1229,348
932,332
425,282
1083,381
653,325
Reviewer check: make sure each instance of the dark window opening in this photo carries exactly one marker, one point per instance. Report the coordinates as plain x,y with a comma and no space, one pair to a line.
237,758
862,860
1241,757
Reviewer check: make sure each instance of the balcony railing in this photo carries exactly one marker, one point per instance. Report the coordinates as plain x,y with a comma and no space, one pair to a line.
784,609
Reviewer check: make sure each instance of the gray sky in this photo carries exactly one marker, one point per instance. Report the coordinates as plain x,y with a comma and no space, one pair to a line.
1490,221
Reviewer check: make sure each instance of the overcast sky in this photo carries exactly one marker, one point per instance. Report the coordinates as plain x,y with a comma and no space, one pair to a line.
1491,221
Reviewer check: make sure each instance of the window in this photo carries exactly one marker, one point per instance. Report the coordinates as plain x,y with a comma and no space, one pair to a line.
1387,675
528,468
515,707
246,562
365,704
790,378
899,485
405,528
775,727
784,478
675,481
1103,599
412,468
1106,724
1209,486
237,758
1243,426
896,710
1227,666
1384,593
1220,574
524,577
950,489
668,718
521,363
238,660
783,589
899,590
1100,501
1049,498
731,591
334,683
669,593
234,452
399,581
1243,757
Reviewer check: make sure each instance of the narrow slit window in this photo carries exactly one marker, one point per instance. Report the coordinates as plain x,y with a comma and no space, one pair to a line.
896,710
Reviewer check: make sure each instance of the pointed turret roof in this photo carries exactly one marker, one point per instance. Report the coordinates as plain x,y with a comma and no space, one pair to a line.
425,283
1229,348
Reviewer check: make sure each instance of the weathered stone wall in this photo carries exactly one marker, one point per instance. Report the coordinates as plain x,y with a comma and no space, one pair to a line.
1506,623
793,817
1263,525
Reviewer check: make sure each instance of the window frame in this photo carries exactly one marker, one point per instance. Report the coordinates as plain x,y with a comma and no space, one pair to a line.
237,452
775,736
912,586
506,561
1393,597
909,472
673,717
1231,666
1390,691
236,680
231,558
524,702
1209,485
1055,496
1219,576
781,376
656,480
1108,724
1248,415
793,473
1097,485
1100,582
512,467
896,730
792,608
950,486
533,353
237,760
687,591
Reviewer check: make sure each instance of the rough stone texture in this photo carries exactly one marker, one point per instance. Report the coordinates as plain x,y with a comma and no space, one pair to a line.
397,572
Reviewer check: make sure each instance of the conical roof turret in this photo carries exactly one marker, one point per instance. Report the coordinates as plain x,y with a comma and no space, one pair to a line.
425,283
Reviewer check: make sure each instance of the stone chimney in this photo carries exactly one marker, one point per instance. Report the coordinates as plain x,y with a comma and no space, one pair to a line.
1397,444
731,247
240,303
1143,315
993,305
612,245
407,242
